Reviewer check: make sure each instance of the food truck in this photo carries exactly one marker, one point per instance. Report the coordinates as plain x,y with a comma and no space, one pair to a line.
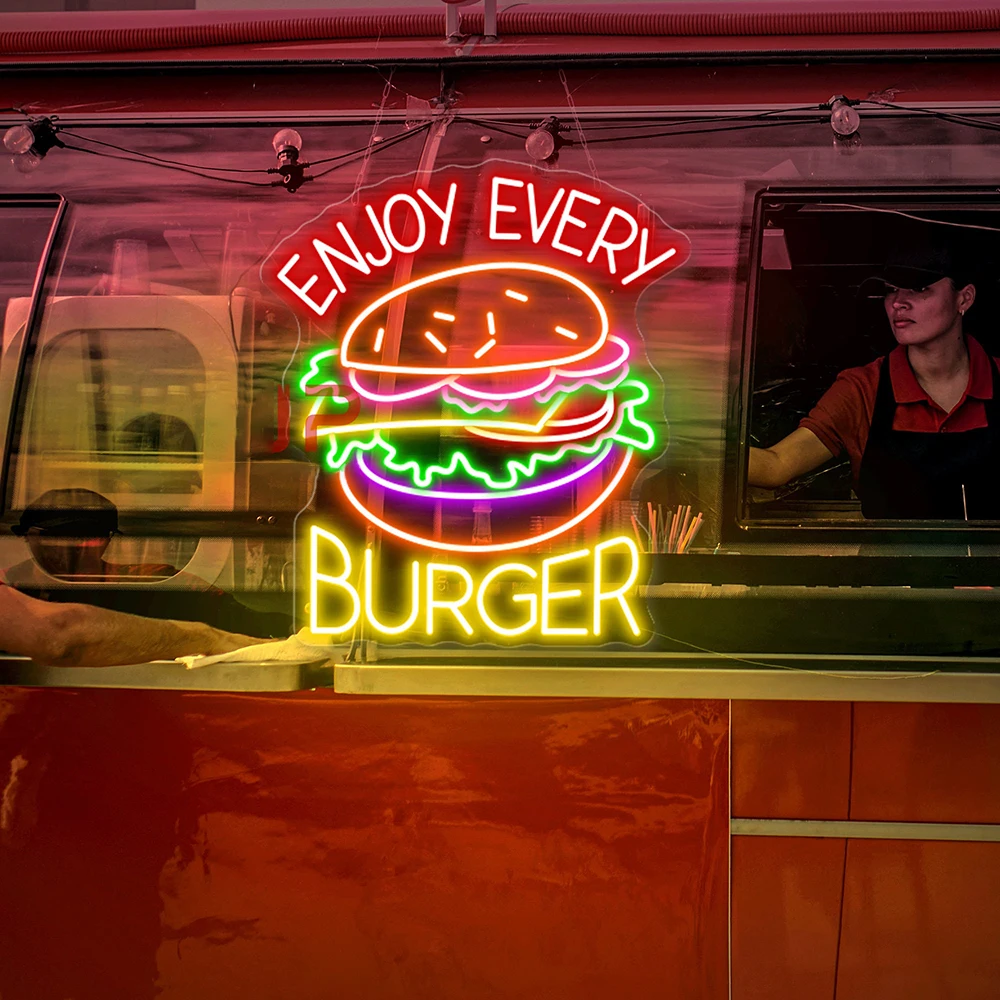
442,341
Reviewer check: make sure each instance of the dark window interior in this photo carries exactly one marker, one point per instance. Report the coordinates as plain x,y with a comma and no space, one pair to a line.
811,318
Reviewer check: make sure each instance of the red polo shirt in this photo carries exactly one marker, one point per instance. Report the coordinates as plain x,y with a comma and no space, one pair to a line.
843,416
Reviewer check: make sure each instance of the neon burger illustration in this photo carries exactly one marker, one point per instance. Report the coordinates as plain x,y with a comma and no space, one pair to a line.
498,384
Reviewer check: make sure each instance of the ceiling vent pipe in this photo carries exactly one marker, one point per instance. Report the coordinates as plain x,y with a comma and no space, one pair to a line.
344,26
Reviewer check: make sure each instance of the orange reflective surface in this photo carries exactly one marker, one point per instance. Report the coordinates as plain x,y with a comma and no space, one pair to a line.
791,760
786,917
920,921
309,845
927,763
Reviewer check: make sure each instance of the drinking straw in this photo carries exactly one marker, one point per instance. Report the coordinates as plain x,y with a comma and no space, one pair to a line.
665,530
694,533
652,526
638,537
684,526
691,532
674,525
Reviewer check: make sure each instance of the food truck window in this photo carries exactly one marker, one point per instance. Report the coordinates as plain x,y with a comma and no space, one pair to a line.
156,371
818,308
116,411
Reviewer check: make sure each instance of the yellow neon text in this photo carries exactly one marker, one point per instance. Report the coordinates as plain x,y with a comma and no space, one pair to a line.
530,599
576,594
338,582
549,596
618,594
370,618
433,570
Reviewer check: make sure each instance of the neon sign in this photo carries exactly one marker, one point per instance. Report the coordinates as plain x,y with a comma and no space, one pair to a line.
486,409
530,612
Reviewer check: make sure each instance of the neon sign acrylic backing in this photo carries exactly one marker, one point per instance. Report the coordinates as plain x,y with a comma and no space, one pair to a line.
480,400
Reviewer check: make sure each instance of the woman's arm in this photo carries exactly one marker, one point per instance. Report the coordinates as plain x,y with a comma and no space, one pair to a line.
79,635
792,456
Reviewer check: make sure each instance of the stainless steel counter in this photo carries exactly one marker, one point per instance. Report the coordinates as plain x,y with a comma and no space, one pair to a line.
749,677
169,676
449,673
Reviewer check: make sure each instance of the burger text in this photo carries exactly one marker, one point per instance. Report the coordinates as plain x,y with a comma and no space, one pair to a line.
509,599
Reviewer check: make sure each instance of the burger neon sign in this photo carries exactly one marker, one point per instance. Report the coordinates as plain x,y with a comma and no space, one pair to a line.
506,386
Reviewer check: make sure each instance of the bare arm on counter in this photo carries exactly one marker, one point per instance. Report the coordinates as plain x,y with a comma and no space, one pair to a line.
792,456
79,635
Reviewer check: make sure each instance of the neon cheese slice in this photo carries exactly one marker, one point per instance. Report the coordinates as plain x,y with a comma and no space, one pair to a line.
530,429
569,429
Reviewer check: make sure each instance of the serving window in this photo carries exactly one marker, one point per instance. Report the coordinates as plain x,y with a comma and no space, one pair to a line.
816,308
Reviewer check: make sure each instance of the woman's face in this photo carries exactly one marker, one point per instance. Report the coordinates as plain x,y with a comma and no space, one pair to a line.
921,317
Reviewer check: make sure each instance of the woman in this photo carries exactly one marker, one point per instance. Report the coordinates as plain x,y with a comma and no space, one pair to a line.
921,425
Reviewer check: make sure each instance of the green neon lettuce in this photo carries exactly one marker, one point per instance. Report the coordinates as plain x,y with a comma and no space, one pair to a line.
630,430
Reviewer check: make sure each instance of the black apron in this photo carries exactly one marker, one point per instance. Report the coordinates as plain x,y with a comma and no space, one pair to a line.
912,474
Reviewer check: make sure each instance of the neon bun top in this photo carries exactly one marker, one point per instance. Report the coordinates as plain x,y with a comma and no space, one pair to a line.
537,315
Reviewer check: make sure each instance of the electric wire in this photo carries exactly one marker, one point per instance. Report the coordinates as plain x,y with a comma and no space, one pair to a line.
201,169
165,166
376,148
344,160
161,159
583,133
734,658
487,123
982,123
700,131
909,215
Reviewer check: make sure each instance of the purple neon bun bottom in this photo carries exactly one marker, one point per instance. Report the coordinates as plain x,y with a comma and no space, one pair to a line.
497,523
532,492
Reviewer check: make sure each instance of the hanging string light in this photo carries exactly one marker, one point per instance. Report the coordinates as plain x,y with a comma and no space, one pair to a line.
287,145
844,119
542,143
30,141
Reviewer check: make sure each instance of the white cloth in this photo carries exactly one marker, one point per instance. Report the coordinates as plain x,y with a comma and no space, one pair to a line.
292,650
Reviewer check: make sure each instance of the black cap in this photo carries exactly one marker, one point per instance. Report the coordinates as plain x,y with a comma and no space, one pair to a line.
917,258
70,514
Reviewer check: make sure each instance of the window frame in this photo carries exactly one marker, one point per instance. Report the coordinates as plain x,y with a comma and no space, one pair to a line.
12,373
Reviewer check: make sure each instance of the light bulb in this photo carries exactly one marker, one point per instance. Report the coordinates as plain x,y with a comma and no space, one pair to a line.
287,142
18,139
844,120
541,143
25,163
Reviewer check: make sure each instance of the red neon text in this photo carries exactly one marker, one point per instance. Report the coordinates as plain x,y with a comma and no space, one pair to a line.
402,226
591,226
